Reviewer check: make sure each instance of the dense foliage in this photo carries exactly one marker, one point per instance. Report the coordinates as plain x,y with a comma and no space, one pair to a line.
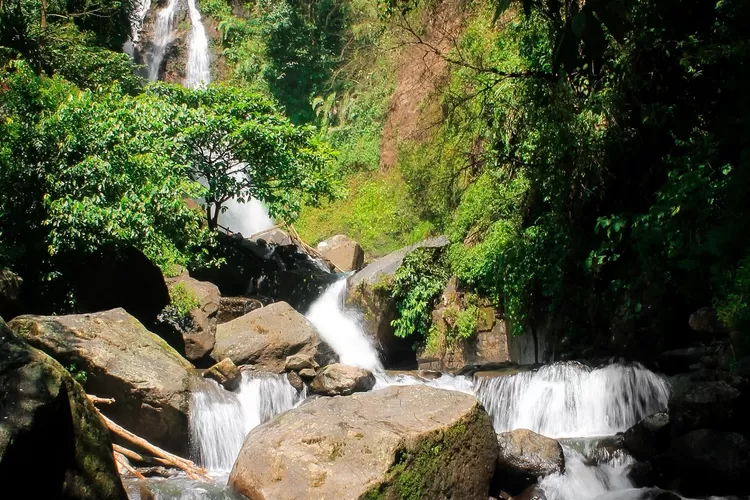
91,158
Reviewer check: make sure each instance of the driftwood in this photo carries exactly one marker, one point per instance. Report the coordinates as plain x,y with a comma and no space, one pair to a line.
125,465
308,249
164,457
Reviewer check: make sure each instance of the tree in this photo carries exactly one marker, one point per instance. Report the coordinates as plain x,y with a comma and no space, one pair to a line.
239,146
82,169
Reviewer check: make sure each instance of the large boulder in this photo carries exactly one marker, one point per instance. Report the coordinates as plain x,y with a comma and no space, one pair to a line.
649,437
402,442
525,456
708,462
52,443
705,320
342,380
369,291
343,252
122,360
196,331
706,400
265,337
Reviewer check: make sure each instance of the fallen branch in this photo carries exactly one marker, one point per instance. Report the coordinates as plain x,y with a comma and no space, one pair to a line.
310,250
192,470
125,465
97,400
132,455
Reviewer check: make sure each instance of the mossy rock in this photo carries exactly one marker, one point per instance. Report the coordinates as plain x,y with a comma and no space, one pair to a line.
410,442
52,443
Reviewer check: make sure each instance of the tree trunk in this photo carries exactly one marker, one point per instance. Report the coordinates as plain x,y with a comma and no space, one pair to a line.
43,19
536,343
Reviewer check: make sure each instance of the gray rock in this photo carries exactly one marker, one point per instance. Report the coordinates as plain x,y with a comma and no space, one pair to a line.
52,443
401,442
295,380
705,320
649,437
199,335
524,457
343,252
369,292
265,338
308,373
146,377
703,404
225,373
342,380
300,361
708,462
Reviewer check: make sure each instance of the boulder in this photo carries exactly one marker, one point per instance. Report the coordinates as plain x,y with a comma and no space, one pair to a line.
524,457
369,292
342,380
708,462
402,442
681,360
295,381
696,404
343,252
300,361
52,443
308,373
705,320
233,307
225,373
196,331
649,437
10,292
267,336
146,377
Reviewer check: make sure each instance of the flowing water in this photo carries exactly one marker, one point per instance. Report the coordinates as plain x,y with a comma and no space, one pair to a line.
163,36
198,70
561,400
220,419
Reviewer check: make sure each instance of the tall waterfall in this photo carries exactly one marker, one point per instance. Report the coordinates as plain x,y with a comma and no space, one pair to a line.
163,36
198,71
341,330
570,399
220,419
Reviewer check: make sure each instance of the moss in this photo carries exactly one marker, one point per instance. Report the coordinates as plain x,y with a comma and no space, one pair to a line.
415,468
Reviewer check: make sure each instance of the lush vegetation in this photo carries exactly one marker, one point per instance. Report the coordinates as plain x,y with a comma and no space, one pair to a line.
92,157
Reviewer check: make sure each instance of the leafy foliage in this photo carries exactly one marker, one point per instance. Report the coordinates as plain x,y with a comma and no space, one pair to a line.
416,285
239,146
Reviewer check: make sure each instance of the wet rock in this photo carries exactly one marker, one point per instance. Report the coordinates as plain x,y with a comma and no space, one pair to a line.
146,377
343,252
369,292
708,462
226,373
649,437
308,373
295,381
705,320
524,457
265,338
703,404
197,331
52,443
342,380
681,360
401,442
533,492
300,361
640,474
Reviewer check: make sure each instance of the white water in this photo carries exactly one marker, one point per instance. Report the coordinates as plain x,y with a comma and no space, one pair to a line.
163,36
247,218
198,71
572,400
342,331
220,419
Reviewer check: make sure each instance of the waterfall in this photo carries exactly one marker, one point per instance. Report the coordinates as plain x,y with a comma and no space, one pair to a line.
163,36
570,399
198,71
342,331
247,218
220,419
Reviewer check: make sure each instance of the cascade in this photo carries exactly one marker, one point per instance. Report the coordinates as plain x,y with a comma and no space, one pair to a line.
571,399
198,71
342,332
220,419
163,35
